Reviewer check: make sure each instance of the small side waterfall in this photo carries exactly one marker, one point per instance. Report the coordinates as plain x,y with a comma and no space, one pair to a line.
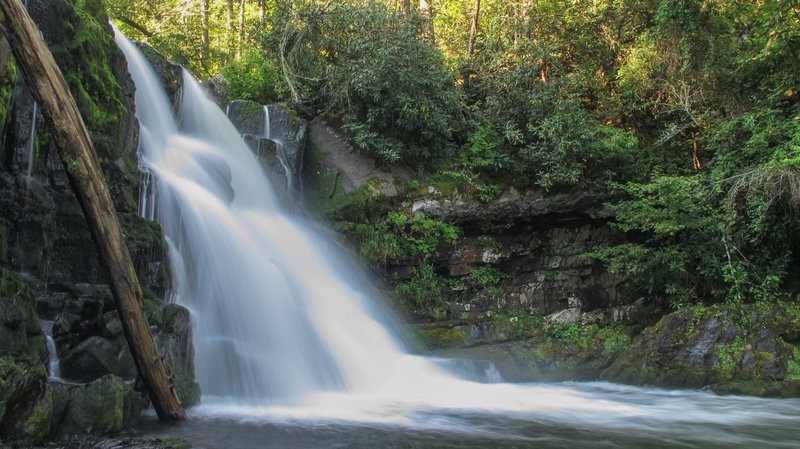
53,369
32,140
280,149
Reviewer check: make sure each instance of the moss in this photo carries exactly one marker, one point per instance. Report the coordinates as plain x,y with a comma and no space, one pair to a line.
92,65
252,110
7,81
37,427
443,337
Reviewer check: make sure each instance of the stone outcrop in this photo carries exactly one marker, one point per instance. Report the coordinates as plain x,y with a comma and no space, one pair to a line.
25,396
51,275
278,144
335,167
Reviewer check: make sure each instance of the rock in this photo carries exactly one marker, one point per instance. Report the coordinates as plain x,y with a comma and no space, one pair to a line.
25,400
170,74
335,162
20,329
218,88
174,340
102,407
97,356
278,143
706,349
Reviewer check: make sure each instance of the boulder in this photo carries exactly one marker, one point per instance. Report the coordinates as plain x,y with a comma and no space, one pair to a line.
696,348
102,407
174,340
218,88
335,167
97,356
25,401
276,136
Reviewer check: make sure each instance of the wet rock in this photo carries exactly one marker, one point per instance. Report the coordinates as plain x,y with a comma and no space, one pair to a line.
701,349
174,340
278,144
218,88
97,356
170,74
102,407
25,400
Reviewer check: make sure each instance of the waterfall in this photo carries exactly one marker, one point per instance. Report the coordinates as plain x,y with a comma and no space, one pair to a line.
32,141
54,368
280,150
283,322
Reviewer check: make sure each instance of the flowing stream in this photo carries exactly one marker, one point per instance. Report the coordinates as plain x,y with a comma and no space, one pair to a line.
292,351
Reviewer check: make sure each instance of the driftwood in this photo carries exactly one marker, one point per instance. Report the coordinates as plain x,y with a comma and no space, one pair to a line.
61,115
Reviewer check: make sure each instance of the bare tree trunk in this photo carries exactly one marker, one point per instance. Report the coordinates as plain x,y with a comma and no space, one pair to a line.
239,49
425,8
473,30
262,9
405,7
204,41
229,22
61,115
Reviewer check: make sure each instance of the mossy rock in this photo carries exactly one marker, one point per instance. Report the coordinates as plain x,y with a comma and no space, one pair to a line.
102,407
20,329
25,401
174,339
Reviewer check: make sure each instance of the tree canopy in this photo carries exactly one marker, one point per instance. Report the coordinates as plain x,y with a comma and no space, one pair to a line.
688,108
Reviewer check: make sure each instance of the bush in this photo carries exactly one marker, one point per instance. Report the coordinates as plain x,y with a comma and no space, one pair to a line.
365,63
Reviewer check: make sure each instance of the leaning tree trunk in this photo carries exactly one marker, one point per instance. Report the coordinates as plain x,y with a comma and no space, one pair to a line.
60,112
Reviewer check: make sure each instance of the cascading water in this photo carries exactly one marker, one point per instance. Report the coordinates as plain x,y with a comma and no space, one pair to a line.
32,141
278,318
284,329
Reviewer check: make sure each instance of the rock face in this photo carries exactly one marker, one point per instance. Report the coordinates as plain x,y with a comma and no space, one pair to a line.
335,167
25,397
51,275
277,138
102,407
696,348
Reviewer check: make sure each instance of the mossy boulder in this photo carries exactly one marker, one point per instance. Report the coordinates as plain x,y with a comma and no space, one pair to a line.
725,349
102,407
20,330
174,339
25,401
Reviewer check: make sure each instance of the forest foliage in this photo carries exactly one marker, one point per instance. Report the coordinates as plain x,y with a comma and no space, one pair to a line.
690,109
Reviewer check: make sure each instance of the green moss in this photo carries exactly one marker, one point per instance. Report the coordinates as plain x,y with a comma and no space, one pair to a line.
37,427
92,66
7,82
443,337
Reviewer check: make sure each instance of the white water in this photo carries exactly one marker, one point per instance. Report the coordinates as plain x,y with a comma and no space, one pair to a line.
284,330
54,366
32,141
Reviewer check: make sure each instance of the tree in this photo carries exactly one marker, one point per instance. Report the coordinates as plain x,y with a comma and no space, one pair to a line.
204,31
426,9
473,30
